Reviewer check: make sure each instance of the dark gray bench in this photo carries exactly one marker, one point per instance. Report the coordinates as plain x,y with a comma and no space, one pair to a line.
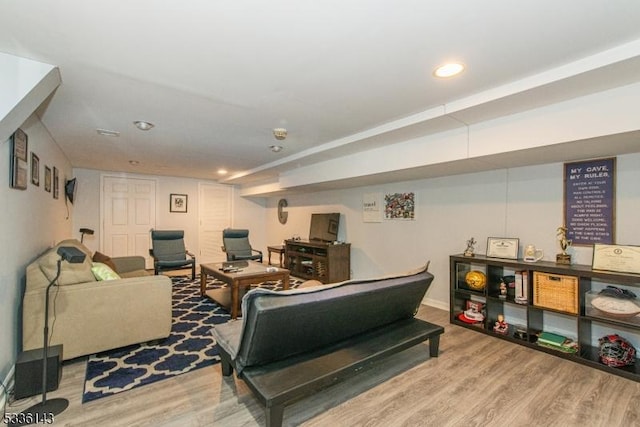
291,344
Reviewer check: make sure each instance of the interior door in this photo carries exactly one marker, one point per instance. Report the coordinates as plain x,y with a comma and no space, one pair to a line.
215,216
129,213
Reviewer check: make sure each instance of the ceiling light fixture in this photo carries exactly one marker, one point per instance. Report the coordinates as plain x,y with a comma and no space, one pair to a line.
276,148
142,125
448,70
280,133
106,132
134,162
222,171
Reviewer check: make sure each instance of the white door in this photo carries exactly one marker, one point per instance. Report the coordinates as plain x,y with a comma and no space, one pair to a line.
129,213
215,216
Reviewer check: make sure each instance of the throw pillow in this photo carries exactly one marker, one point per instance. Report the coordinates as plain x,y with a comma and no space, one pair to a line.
105,259
103,272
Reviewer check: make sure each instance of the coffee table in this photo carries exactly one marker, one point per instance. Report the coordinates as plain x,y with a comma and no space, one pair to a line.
237,274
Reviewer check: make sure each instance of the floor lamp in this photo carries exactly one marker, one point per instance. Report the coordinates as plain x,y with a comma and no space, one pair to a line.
43,411
84,231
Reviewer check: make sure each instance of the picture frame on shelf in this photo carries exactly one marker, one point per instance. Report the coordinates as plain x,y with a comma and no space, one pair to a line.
35,169
617,258
503,247
178,203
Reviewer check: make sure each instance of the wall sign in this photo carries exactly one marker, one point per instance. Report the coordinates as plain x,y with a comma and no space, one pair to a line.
589,201
372,207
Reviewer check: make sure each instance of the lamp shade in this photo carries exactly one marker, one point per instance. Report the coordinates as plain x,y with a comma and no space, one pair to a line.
71,254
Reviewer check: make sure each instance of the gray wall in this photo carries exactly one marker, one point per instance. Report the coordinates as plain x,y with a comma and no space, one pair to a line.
525,202
30,222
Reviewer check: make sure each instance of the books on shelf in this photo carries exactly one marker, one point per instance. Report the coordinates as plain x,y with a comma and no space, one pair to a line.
522,287
551,338
557,342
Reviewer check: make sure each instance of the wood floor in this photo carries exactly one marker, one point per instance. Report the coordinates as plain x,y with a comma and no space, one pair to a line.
477,381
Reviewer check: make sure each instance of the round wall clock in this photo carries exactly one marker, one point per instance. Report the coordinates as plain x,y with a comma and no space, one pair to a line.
282,215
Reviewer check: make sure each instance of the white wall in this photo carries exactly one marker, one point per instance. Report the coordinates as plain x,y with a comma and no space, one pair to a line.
525,202
245,213
31,220
561,127
24,85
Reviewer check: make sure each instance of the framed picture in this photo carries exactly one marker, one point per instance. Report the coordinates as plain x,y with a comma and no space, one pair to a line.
19,166
56,183
35,169
20,145
590,201
371,207
500,247
620,258
178,203
47,179
400,206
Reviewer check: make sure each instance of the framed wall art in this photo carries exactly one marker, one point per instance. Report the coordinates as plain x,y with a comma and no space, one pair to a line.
400,206
47,179
19,165
56,183
35,169
371,207
590,201
178,203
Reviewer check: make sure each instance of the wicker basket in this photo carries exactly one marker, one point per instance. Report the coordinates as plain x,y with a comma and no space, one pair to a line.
555,291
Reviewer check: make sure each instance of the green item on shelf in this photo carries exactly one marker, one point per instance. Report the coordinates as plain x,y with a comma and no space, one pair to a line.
571,349
551,339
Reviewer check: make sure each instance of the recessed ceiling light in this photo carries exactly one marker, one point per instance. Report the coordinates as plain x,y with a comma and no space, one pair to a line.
142,125
280,133
448,70
222,171
134,162
107,132
276,148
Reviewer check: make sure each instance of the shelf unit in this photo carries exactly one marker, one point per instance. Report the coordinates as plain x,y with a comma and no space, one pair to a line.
584,326
326,262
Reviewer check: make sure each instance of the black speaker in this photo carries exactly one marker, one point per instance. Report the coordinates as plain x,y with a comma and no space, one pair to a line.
28,375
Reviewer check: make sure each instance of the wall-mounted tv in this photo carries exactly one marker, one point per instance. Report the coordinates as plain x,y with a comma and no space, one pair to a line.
324,227
70,190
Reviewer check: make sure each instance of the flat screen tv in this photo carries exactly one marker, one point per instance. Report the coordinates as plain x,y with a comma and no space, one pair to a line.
324,227
70,190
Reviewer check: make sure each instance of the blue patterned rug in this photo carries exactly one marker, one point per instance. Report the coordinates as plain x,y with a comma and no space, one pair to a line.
188,347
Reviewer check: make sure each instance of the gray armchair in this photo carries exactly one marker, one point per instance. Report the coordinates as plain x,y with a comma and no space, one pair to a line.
237,246
169,253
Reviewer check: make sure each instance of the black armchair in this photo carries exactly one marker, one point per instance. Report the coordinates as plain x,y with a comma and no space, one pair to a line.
237,246
169,253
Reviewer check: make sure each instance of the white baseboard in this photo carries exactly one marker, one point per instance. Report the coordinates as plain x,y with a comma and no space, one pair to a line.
8,383
435,303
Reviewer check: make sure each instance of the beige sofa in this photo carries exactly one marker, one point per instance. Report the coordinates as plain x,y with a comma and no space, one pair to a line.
88,316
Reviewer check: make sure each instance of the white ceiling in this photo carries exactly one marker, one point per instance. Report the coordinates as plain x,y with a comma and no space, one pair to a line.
216,77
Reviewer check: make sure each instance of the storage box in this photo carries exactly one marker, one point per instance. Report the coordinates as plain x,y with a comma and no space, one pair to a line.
555,291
